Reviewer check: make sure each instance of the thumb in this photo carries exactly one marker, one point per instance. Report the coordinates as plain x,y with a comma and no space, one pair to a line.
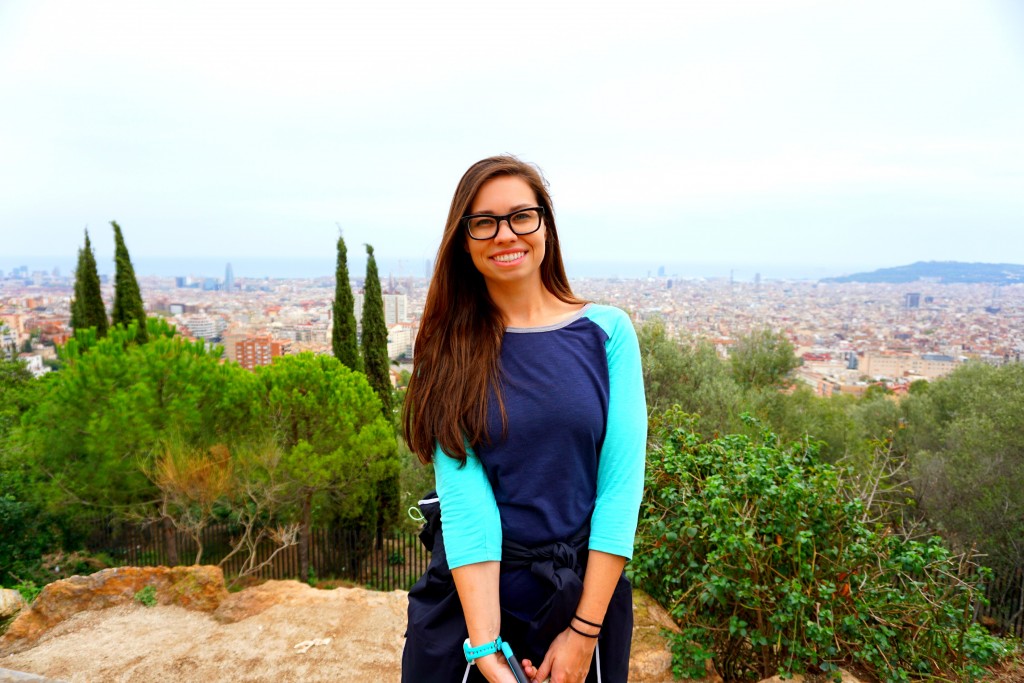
545,668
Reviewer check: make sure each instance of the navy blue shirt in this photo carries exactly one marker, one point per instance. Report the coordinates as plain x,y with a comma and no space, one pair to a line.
573,453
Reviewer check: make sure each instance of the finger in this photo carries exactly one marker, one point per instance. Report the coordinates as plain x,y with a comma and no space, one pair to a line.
545,668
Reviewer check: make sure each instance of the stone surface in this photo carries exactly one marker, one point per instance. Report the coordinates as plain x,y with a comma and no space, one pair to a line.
815,678
11,602
277,631
196,588
8,676
258,599
650,658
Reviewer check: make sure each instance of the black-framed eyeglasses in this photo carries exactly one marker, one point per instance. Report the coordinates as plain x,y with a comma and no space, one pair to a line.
484,226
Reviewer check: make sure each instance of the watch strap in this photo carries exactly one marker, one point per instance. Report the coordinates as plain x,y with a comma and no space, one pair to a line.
474,653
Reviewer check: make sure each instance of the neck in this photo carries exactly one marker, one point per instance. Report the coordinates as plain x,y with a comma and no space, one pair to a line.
527,304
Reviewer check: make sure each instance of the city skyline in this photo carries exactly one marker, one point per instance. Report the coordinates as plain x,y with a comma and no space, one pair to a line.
728,136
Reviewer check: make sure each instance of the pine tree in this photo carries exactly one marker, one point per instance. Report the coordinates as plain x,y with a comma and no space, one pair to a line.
375,336
87,308
343,334
128,306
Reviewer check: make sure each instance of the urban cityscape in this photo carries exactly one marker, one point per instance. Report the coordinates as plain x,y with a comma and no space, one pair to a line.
848,335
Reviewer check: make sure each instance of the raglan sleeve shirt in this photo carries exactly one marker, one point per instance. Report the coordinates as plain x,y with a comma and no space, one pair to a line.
469,513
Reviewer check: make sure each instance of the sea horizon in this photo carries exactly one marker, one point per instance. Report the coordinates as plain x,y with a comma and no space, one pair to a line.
312,268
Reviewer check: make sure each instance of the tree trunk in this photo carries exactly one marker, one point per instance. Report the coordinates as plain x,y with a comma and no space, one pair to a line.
304,531
170,542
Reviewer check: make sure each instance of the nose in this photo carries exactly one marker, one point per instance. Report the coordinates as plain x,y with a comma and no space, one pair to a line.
505,233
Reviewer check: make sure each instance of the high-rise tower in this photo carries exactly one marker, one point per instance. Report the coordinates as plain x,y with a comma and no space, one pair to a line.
229,279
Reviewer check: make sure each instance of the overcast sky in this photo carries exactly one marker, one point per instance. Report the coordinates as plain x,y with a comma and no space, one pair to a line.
833,135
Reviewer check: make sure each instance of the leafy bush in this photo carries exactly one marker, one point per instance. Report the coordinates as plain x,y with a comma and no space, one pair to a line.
28,589
769,569
146,596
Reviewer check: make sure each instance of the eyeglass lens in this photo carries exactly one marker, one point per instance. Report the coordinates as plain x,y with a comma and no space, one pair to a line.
521,223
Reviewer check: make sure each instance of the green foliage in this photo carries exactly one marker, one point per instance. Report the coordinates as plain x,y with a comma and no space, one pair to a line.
146,596
693,377
128,306
415,479
965,440
375,336
336,445
87,307
101,421
28,589
768,568
343,333
24,530
762,359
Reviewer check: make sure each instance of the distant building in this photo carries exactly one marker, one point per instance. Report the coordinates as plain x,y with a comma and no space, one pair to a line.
396,308
255,351
34,364
203,326
896,365
401,337
229,279
912,300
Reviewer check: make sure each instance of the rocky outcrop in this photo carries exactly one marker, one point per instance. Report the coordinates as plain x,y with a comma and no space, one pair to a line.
650,659
253,601
847,677
11,603
278,630
196,588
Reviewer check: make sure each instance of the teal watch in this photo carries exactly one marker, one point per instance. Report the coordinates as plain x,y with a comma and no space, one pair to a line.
474,653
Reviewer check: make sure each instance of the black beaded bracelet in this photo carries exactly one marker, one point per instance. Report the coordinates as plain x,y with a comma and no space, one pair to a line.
588,623
585,635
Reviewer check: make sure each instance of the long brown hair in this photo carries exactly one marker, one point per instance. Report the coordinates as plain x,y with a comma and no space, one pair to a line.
457,346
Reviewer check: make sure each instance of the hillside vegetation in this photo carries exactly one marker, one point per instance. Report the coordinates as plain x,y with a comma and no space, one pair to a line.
782,530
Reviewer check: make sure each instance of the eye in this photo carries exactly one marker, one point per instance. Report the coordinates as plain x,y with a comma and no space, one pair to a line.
525,217
481,223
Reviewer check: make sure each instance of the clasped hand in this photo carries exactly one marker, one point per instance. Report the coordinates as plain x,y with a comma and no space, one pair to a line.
567,660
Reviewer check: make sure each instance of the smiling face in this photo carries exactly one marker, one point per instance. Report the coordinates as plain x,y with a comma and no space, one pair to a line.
507,258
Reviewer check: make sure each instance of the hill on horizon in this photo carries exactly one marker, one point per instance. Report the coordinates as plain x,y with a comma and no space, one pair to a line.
941,271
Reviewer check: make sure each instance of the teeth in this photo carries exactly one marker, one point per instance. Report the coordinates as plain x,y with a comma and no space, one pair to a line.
508,257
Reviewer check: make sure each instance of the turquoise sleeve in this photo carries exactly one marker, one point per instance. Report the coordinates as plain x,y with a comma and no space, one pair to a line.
469,513
620,473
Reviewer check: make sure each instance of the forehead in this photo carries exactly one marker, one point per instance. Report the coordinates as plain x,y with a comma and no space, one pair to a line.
502,194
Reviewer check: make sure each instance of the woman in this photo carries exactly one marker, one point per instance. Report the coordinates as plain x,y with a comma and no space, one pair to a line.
530,404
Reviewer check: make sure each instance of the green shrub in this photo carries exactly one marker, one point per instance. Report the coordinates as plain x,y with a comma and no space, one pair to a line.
28,589
769,569
146,596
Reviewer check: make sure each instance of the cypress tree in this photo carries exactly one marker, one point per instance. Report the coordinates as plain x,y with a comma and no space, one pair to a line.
377,369
87,309
375,336
128,306
343,334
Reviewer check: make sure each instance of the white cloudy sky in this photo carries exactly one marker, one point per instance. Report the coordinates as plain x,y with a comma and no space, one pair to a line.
831,133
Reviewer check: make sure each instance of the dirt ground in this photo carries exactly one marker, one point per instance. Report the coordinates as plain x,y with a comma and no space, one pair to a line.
136,643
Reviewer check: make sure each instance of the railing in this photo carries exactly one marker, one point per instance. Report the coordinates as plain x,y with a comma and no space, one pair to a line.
345,554
1005,611
353,556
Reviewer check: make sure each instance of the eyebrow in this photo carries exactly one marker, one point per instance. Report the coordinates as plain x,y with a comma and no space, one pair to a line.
514,208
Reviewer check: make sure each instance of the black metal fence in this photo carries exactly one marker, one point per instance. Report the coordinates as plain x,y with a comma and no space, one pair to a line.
354,556
1005,611
396,562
